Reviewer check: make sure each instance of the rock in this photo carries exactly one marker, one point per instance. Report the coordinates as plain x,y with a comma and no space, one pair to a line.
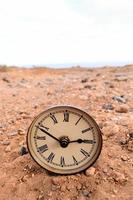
110,130
56,181
131,135
23,150
21,132
63,188
90,171
120,99
119,177
6,142
40,197
122,109
130,146
5,79
124,158
86,193
88,86
12,134
108,106
84,80
123,141
7,149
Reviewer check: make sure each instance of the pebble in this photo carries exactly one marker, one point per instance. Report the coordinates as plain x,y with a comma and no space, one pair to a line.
86,193
56,181
119,177
131,135
40,197
6,79
124,158
21,132
90,171
84,80
12,134
120,99
7,149
63,188
130,146
23,150
6,142
108,106
122,109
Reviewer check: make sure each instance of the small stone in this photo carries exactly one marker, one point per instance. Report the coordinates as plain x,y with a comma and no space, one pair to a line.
40,197
86,193
123,141
21,132
56,181
8,149
5,79
84,80
12,134
105,170
108,106
90,171
6,142
79,186
131,135
88,86
63,188
23,150
120,99
120,178
122,109
124,158
130,146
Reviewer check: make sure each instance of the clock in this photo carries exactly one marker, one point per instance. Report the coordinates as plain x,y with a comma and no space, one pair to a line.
64,140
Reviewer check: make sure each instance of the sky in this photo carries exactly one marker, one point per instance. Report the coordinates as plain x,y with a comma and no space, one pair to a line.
40,32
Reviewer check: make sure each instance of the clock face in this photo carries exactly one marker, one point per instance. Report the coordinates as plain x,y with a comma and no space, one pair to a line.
64,140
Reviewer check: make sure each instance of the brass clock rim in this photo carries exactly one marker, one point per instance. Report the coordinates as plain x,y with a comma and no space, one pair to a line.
73,171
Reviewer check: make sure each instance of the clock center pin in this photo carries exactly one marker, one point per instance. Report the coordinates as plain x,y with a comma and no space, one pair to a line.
64,141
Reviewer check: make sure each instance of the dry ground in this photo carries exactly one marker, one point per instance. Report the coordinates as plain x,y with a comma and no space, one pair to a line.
106,94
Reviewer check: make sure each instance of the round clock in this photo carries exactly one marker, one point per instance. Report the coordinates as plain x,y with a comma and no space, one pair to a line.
64,140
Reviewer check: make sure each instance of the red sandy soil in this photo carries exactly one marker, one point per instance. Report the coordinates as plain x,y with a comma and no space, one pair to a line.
105,93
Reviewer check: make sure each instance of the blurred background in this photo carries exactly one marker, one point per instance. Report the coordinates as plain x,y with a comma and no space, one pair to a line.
66,32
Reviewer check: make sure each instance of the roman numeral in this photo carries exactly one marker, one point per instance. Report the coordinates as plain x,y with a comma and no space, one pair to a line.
66,116
40,137
53,118
75,161
90,141
50,157
78,120
88,129
42,148
85,153
62,161
42,126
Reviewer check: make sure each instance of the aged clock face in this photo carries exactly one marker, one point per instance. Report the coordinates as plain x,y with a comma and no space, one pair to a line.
64,140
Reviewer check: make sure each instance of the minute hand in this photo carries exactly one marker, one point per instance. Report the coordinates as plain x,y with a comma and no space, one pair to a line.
48,134
83,141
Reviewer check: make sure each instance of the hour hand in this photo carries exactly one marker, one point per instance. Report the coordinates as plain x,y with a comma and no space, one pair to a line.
43,130
83,141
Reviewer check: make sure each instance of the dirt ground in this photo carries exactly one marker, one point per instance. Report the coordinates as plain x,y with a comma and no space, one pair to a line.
105,93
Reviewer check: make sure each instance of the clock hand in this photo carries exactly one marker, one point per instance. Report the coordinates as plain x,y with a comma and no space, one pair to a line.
83,141
48,133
